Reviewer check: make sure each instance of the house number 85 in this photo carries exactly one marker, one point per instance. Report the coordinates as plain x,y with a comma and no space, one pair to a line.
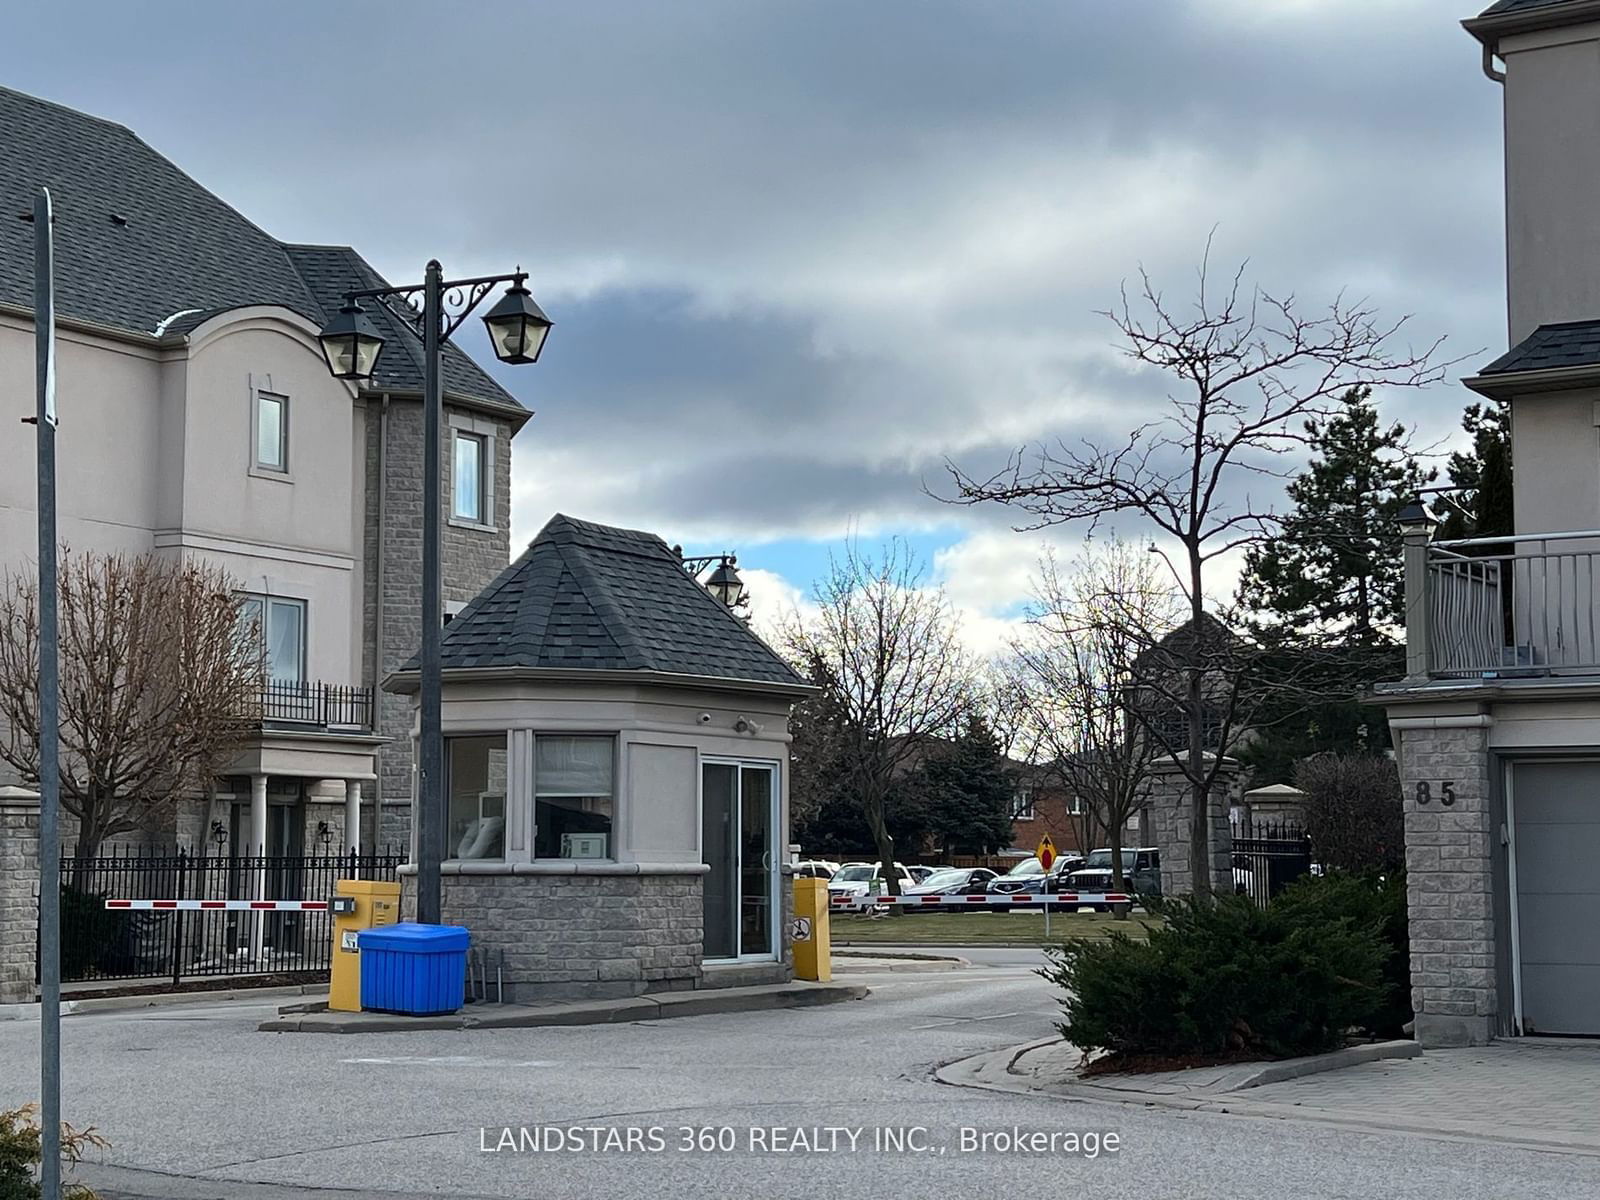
1447,793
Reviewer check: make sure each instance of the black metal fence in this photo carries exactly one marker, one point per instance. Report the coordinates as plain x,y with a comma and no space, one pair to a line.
1268,857
292,702
119,944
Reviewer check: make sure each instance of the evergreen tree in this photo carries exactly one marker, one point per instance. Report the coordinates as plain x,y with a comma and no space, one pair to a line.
1480,505
966,792
1335,571
1331,585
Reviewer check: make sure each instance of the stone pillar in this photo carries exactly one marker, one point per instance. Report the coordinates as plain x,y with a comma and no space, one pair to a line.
1450,847
19,893
1169,806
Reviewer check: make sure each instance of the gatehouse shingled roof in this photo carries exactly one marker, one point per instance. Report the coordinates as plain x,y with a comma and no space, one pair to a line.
143,249
593,597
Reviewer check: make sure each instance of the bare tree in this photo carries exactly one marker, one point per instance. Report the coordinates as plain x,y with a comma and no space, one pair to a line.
1076,667
1250,369
884,649
158,685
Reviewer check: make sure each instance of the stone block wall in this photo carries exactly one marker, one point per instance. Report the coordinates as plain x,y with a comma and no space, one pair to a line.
1450,846
470,559
19,894
1170,805
569,936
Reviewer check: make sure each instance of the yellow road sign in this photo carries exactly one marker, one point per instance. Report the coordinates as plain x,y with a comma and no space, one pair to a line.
1046,853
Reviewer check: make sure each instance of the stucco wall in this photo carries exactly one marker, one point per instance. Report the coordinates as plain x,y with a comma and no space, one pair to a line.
1552,93
1558,431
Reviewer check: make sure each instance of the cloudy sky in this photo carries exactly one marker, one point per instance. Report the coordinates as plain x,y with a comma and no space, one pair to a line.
799,252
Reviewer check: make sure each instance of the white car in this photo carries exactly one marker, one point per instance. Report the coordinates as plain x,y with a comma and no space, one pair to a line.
859,879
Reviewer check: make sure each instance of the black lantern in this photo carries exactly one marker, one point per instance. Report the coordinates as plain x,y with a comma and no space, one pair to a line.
219,835
725,583
517,326
351,344
324,834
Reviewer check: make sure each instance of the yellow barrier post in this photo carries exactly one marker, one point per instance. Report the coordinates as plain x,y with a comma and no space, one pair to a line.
357,904
808,932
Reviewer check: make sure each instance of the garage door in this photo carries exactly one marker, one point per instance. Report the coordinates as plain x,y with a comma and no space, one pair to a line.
1556,808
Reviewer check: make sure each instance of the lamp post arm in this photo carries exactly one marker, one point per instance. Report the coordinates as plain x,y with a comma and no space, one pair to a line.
458,298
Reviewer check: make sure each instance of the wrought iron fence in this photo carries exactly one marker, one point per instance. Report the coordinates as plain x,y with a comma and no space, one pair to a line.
1268,857
97,943
297,702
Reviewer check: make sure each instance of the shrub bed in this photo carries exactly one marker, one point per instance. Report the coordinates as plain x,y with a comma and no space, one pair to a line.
1228,979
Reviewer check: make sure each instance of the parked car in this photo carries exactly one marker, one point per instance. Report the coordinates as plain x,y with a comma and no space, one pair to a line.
953,882
1141,868
815,868
858,879
1036,882
920,873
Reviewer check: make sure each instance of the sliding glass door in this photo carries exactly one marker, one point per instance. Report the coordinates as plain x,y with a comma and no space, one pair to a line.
738,841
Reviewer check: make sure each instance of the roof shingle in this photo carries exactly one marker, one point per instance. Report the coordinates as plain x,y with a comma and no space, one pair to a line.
599,598
139,242
1549,347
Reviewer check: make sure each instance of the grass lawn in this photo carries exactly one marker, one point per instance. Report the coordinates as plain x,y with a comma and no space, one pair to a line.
977,928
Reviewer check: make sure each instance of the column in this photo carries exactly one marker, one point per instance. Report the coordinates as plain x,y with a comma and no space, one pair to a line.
352,815
258,838
19,893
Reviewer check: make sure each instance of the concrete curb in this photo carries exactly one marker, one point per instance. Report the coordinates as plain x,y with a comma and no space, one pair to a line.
581,1012
880,963
102,1004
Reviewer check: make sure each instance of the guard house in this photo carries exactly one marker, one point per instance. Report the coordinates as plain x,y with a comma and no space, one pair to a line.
616,767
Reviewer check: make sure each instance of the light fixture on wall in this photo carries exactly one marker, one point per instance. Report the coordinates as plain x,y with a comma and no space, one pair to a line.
324,834
723,582
219,835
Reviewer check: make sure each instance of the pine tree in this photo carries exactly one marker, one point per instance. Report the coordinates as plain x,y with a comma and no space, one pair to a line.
967,791
1334,571
1480,505
1333,583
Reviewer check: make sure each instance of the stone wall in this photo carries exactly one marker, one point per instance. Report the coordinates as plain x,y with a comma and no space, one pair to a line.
19,894
1450,880
569,936
1170,806
471,557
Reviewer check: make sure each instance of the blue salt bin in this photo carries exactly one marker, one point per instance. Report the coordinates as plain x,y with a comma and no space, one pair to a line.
419,970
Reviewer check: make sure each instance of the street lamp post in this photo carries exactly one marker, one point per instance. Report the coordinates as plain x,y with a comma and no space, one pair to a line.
351,343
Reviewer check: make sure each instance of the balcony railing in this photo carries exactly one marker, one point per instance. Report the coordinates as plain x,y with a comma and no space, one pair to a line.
1511,607
286,702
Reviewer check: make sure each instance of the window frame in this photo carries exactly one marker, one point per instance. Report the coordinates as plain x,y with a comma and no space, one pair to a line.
534,794
261,397
1022,804
264,637
485,497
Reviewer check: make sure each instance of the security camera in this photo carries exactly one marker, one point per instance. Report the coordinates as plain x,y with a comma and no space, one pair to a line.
705,718
746,725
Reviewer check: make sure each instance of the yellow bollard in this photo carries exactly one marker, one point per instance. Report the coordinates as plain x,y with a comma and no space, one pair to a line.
358,904
808,932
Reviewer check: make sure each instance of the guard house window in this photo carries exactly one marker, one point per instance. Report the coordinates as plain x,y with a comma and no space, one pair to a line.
279,627
477,774
1022,805
573,797
470,499
272,432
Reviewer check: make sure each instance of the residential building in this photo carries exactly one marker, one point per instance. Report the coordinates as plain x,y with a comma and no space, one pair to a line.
1497,723
198,420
